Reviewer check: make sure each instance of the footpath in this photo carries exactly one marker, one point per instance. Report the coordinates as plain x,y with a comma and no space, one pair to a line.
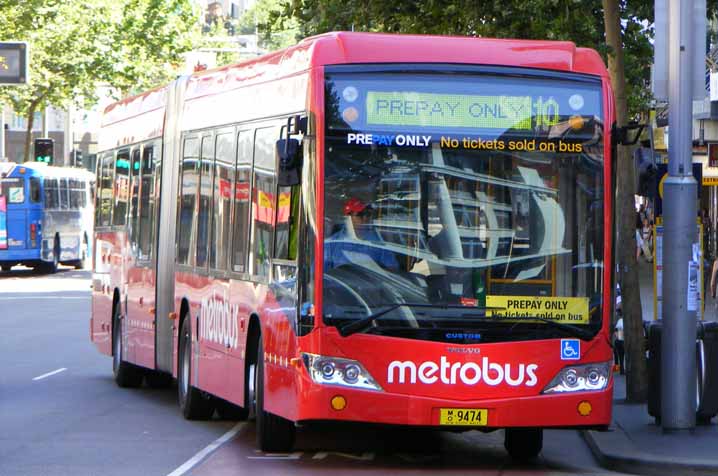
634,442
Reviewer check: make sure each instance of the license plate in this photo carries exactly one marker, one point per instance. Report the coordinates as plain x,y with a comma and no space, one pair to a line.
464,416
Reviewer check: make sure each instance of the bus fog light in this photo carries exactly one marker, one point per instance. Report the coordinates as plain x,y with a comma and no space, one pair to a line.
336,371
580,378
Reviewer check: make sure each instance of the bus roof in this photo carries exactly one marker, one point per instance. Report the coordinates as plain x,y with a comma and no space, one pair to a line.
39,169
147,110
375,48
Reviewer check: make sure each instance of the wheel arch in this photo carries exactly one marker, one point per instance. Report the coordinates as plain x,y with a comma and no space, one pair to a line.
183,313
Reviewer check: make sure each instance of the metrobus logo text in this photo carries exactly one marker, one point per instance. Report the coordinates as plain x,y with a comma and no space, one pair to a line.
219,323
469,373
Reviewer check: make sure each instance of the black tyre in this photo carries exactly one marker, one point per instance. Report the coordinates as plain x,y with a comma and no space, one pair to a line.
274,433
51,267
157,379
126,374
194,403
523,444
229,411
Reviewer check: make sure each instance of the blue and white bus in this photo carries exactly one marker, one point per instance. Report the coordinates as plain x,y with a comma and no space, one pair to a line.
46,216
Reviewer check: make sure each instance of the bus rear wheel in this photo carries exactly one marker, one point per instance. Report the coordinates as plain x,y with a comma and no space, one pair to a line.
523,444
274,433
194,403
126,375
51,267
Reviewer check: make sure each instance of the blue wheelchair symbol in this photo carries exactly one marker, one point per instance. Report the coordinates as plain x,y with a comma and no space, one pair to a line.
570,349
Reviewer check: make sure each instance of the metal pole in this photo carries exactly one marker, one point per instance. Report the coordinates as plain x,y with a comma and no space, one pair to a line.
68,142
678,343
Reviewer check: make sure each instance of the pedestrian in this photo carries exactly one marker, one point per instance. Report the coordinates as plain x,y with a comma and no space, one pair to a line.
647,240
714,279
619,349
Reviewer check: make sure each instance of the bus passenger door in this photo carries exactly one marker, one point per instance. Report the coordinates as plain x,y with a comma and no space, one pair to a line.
141,274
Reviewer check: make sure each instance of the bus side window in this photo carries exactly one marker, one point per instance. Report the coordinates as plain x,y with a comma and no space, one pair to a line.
64,195
35,196
77,194
147,198
51,198
188,197
264,185
287,223
104,195
222,201
135,203
242,182
83,192
204,205
121,188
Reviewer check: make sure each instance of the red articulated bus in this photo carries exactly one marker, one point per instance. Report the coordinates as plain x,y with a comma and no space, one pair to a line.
390,229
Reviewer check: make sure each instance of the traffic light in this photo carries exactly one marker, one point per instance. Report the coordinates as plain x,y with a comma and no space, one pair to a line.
44,151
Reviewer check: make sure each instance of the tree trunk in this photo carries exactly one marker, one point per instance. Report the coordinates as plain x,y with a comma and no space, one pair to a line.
625,215
28,131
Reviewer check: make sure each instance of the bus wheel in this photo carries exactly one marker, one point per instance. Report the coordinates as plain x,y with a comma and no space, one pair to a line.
274,433
51,267
195,404
126,374
523,444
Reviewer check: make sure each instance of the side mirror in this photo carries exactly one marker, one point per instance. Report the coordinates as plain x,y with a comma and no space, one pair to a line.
290,162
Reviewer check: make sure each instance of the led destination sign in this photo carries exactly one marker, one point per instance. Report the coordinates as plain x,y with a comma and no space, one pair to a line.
408,108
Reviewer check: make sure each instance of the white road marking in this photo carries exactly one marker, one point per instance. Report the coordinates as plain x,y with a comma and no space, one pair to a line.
359,457
196,459
295,455
40,377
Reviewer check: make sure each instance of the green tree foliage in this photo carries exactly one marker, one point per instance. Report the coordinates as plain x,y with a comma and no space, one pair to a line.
76,45
266,18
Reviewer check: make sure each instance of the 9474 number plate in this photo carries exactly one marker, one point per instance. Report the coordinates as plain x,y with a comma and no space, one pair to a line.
464,416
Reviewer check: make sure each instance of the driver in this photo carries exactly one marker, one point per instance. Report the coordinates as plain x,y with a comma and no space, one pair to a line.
349,239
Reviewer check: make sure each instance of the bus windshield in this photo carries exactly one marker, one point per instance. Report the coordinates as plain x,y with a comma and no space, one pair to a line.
463,201
13,189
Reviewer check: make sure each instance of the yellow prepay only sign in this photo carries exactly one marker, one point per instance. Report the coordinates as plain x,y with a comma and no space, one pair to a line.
573,310
409,108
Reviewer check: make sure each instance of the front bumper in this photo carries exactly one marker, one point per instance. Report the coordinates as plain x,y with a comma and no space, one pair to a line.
558,410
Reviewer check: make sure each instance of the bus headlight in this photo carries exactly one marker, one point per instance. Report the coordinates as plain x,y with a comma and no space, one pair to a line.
336,371
580,378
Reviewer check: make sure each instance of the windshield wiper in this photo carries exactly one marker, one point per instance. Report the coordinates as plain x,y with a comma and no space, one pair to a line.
568,328
361,324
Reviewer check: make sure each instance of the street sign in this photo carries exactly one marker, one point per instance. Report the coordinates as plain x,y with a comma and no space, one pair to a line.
13,63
